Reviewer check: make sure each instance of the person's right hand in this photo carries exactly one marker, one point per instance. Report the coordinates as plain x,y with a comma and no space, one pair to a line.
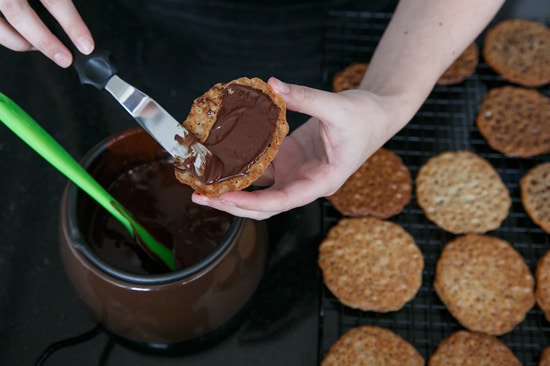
21,29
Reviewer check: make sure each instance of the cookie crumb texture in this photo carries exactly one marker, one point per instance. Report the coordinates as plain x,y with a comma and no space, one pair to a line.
350,77
515,121
542,291
545,357
535,195
372,345
462,68
202,119
462,193
484,283
381,187
519,50
471,348
371,264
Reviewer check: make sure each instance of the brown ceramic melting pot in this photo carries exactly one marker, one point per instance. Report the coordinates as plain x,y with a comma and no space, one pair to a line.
149,306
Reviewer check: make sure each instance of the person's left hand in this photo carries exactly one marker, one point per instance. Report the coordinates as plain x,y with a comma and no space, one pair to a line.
318,157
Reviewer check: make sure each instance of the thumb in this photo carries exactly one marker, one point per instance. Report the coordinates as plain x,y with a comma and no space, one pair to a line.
313,102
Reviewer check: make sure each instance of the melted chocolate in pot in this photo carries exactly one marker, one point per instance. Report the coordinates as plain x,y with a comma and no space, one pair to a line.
163,206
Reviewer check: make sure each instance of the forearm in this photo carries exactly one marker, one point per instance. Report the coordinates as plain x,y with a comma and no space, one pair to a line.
423,38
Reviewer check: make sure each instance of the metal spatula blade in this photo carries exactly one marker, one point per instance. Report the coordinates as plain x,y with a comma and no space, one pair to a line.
96,69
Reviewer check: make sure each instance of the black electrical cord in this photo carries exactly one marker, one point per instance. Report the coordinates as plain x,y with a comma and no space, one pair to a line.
54,347
106,352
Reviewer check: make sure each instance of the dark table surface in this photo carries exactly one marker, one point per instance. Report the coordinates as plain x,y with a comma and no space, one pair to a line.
174,54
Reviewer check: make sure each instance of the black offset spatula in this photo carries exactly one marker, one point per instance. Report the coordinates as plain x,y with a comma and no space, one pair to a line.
97,70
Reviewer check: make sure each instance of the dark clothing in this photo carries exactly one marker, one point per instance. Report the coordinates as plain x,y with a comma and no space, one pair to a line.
179,49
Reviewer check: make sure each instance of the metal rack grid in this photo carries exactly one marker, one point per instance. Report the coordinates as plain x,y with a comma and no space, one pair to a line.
445,122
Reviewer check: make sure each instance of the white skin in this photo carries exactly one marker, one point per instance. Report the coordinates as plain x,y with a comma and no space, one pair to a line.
423,38
22,30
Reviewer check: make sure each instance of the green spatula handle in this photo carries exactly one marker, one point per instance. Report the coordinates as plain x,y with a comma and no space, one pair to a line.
20,123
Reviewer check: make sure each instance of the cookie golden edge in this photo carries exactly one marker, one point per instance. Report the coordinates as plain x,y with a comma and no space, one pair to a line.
542,290
467,316
462,68
545,357
203,116
466,346
350,77
378,345
343,199
491,108
332,267
495,60
425,180
526,199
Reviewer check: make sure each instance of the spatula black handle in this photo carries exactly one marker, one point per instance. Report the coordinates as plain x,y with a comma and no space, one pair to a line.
94,69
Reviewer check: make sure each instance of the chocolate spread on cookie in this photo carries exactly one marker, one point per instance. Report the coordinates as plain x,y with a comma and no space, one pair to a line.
243,130
210,169
163,206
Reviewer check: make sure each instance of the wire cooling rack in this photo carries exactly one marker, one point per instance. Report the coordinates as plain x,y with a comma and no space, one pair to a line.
445,122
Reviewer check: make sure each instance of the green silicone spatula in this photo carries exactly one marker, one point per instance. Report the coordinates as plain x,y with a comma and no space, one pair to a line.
20,123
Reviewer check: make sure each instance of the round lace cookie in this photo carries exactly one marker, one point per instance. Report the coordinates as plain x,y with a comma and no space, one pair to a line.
371,345
545,357
542,292
515,121
462,68
243,96
381,187
535,195
484,291
519,50
471,348
349,78
462,193
371,264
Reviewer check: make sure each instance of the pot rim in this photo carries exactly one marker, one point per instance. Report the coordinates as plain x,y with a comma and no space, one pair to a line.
78,242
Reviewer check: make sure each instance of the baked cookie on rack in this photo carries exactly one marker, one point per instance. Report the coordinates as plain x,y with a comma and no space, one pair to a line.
381,187
545,357
471,348
535,194
519,50
515,121
372,345
542,292
371,264
462,68
243,123
484,291
350,77
462,193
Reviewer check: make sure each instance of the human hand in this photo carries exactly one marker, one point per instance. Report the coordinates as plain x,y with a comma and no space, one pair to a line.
317,158
21,29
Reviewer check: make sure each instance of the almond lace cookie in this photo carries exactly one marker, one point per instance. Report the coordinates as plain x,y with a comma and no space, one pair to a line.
371,264
542,292
515,121
545,357
519,50
462,68
462,193
535,195
350,77
372,345
243,123
471,348
484,283
381,187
